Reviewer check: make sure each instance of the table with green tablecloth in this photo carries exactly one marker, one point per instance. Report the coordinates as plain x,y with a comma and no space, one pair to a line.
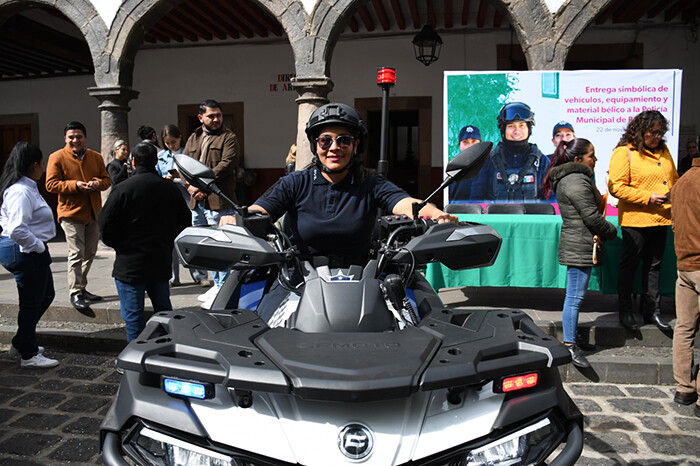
528,258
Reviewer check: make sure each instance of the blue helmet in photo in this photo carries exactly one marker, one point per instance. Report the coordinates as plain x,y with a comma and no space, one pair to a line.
515,111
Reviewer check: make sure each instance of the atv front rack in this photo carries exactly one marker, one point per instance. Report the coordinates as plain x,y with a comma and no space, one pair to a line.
450,348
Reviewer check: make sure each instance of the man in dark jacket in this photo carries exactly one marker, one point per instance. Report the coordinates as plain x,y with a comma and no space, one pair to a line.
140,220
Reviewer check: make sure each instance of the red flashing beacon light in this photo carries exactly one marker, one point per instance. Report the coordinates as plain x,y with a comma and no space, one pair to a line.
386,76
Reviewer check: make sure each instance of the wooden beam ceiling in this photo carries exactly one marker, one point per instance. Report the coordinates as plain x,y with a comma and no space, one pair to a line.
30,48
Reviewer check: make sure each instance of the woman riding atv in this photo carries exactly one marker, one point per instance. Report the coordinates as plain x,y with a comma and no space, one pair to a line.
331,207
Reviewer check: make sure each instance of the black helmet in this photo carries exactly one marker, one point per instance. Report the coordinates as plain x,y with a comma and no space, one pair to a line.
515,111
336,114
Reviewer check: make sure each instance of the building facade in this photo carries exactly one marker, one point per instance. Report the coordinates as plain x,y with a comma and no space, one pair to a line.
272,62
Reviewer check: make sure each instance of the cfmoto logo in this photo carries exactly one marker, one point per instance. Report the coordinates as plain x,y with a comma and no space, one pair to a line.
355,441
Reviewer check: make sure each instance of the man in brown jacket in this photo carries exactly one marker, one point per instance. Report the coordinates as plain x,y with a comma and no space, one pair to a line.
78,174
218,148
685,211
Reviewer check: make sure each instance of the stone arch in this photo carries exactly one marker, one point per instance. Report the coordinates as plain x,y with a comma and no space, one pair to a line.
545,36
80,12
135,17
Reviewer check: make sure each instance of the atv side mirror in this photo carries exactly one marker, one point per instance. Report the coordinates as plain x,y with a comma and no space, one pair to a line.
468,163
202,177
195,172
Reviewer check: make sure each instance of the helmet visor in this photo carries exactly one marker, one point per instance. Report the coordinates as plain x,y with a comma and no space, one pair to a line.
517,111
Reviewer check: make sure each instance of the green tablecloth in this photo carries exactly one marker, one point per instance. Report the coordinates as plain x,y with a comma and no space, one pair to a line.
528,258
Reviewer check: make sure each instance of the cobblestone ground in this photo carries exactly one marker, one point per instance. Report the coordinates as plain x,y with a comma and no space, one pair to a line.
51,417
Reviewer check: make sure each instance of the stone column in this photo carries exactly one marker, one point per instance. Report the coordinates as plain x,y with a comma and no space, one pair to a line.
546,55
114,115
313,92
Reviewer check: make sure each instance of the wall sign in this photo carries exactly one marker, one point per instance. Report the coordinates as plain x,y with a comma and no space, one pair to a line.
283,83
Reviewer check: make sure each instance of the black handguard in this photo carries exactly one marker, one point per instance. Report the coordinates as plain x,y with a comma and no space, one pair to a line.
258,223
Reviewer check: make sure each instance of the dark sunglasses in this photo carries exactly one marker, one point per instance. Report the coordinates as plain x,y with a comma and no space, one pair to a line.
658,134
343,141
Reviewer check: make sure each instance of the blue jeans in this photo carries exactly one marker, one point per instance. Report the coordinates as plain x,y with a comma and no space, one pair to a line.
201,217
132,298
32,273
576,286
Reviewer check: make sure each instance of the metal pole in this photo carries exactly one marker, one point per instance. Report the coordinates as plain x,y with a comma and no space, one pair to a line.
386,79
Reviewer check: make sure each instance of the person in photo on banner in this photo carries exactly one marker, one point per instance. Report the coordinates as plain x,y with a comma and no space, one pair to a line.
516,168
461,190
571,177
642,174
562,131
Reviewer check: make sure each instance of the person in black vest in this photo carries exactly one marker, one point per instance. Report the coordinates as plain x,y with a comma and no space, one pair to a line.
516,168
140,220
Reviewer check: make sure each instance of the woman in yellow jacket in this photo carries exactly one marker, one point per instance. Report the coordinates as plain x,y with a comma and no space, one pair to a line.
642,173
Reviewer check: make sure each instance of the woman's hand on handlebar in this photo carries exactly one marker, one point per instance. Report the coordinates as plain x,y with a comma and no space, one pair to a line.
231,219
444,217
405,206
437,215
227,220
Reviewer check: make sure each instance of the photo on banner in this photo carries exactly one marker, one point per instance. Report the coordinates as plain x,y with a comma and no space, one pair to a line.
594,104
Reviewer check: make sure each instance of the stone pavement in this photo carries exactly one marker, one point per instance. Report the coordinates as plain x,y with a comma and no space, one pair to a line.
51,417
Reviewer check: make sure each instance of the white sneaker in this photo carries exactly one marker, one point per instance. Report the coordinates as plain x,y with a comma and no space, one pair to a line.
38,361
210,294
14,352
208,303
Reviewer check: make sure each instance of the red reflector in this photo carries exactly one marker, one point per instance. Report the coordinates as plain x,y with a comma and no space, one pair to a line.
519,382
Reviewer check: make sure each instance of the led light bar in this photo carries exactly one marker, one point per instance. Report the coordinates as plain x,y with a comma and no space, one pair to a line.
519,382
187,388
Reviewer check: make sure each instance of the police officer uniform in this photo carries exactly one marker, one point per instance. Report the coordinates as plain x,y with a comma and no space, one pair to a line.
516,169
331,219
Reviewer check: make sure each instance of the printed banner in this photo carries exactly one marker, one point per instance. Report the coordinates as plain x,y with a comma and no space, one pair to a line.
595,104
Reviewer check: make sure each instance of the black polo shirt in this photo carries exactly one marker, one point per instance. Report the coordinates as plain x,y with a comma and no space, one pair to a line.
330,218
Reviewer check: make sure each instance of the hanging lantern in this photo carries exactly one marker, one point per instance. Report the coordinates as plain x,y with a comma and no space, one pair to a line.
426,45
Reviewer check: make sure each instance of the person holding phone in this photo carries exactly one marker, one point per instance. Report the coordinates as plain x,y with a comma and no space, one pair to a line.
171,137
642,173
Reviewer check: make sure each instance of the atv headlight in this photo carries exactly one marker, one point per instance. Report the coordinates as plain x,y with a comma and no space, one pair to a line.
522,447
166,450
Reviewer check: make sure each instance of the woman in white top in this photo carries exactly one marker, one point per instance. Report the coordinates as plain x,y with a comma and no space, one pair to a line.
27,224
